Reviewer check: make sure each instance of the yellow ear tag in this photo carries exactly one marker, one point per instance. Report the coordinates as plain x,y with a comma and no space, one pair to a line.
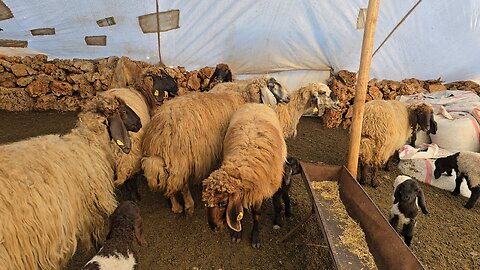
119,142
240,216
315,110
155,93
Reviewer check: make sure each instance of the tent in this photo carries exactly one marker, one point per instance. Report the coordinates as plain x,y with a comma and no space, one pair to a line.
300,40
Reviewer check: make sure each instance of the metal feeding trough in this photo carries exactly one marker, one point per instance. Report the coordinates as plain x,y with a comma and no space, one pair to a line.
388,249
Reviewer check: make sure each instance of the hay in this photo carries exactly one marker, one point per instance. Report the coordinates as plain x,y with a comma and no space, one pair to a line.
352,237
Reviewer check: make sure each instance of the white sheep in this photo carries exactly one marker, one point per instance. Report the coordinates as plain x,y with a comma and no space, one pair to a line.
387,125
466,165
183,141
57,189
407,198
316,95
117,253
130,164
254,152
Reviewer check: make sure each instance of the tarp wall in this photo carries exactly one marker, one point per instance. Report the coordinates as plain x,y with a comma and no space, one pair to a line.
303,37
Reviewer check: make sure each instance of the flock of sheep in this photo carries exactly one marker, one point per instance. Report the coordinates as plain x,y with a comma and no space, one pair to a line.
58,190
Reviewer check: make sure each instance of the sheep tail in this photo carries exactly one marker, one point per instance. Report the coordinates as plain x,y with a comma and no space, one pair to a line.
154,169
367,150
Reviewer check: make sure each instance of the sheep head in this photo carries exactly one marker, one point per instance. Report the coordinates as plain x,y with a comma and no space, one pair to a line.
221,74
408,192
277,90
116,114
445,164
223,200
321,98
128,214
421,116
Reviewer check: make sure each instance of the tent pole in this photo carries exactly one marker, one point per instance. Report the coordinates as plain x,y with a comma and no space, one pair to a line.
158,34
361,88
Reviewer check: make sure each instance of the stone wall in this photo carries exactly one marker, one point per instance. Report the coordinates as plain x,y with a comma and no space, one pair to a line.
33,83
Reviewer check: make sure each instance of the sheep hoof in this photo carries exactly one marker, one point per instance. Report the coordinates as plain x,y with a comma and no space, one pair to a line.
176,210
256,245
189,212
276,227
455,193
468,206
374,183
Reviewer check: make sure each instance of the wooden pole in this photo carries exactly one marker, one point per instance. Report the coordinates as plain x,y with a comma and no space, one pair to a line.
361,89
158,34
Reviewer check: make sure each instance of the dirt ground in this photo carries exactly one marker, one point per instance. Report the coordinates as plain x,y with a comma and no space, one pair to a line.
447,238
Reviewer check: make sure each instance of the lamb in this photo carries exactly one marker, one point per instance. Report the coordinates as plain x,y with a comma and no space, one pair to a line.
55,190
316,95
221,74
387,125
183,141
407,197
254,152
129,165
465,164
117,253
290,168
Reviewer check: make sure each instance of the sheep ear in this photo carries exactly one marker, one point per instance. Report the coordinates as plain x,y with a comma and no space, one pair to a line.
396,195
433,125
118,132
138,229
234,212
228,78
413,119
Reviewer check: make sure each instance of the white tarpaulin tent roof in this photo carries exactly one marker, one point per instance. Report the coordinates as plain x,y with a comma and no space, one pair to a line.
301,39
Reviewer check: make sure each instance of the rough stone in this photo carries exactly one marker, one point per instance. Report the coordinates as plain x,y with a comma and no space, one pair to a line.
61,88
19,70
40,86
24,81
7,79
15,99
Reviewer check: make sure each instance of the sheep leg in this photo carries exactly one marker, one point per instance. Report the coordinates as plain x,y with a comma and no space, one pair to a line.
176,206
236,237
277,206
408,231
394,221
473,197
256,230
188,200
458,182
374,181
362,174
286,200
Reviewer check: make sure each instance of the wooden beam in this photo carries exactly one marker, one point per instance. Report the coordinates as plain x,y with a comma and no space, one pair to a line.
361,89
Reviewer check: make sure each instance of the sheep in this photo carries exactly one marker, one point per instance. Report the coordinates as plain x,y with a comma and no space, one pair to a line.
117,253
221,74
129,165
254,152
290,168
57,189
387,125
407,198
183,141
465,164
164,86
316,95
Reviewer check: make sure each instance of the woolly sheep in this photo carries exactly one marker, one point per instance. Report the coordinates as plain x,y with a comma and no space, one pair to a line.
254,152
466,165
221,74
117,253
407,198
316,95
387,125
183,141
57,189
129,165
290,168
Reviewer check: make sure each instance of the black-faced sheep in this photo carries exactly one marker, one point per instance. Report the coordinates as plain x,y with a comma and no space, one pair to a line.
183,141
254,152
117,253
128,165
56,190
316,95
407,198
290,168
387,126
221,74
164,86
466,165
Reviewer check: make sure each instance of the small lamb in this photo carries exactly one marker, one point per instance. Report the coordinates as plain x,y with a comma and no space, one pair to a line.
291,167
407,197
117,253
465,164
